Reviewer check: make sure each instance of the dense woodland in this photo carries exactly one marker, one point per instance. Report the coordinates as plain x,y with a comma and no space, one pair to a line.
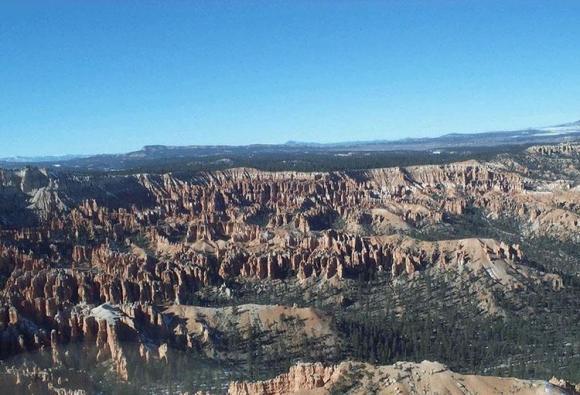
286,160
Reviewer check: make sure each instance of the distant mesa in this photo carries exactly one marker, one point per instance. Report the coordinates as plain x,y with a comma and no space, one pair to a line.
165,155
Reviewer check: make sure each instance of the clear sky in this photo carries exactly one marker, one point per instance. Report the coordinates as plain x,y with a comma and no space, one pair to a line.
109,76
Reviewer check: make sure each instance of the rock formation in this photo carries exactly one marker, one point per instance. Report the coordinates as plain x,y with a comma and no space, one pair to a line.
400,378
106,259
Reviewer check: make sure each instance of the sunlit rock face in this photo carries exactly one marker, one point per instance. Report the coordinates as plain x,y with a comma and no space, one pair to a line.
400,378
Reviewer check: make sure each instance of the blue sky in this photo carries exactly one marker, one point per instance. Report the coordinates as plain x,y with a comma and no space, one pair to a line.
111,76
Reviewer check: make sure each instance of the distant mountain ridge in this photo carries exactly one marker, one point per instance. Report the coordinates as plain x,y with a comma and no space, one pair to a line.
215,153
39,159
572,127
